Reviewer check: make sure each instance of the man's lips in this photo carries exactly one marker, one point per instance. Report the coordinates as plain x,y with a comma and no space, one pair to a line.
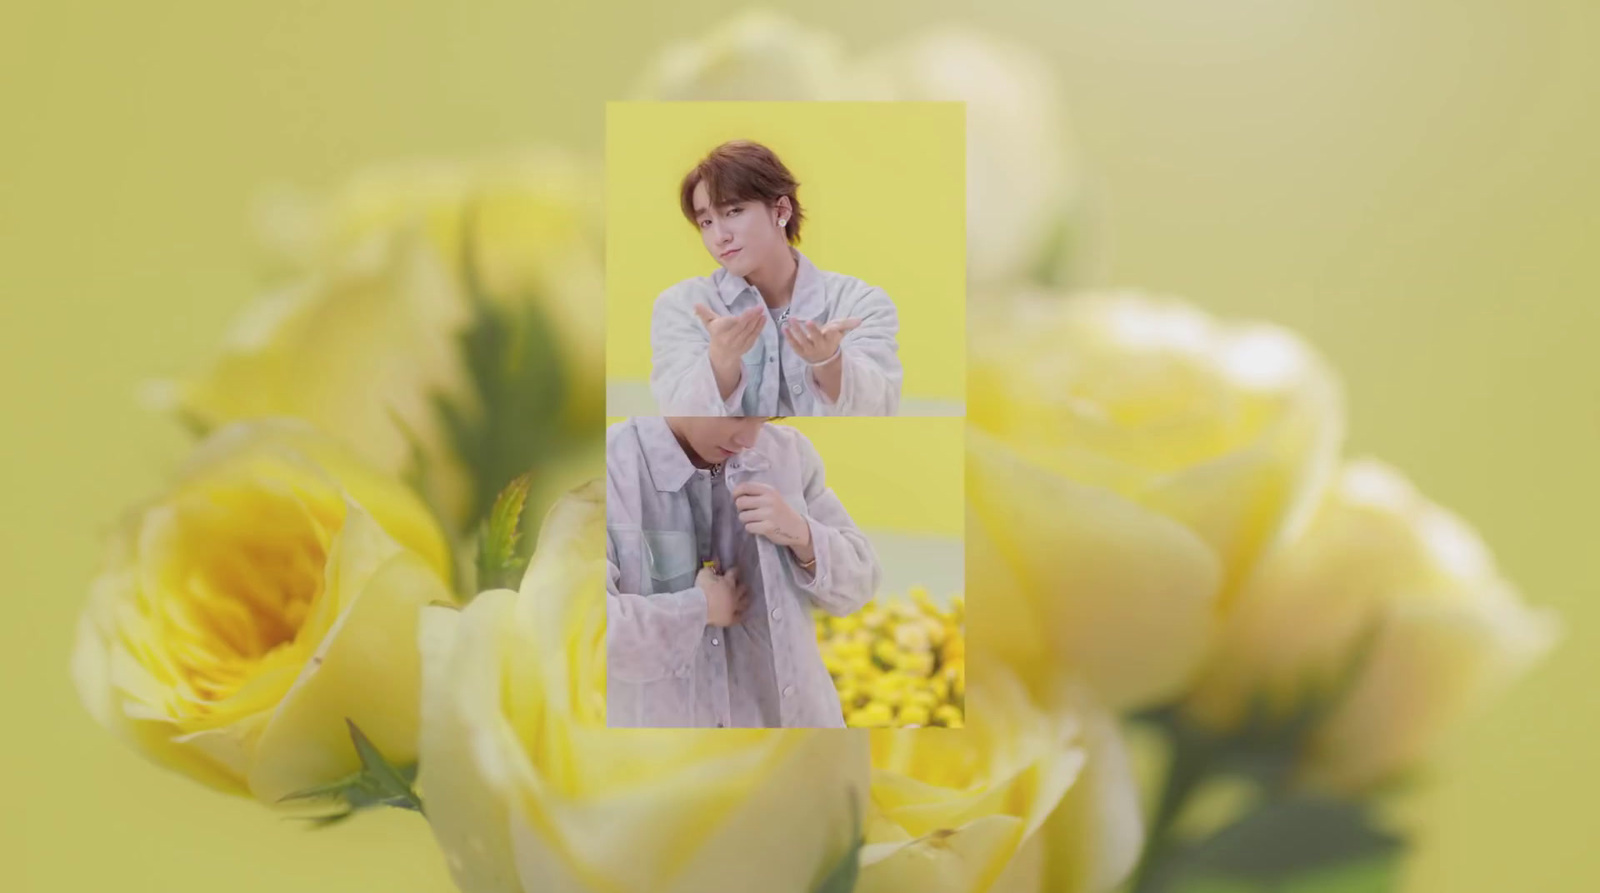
729,253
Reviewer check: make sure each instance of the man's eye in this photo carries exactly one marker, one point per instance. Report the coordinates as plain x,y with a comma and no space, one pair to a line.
734,211
704,224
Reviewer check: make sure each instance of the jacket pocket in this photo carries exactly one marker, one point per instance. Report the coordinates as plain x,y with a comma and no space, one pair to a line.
670,559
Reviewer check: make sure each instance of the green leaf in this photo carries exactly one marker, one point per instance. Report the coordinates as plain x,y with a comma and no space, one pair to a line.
1381,875
1263,752
500,565
377,783
1294,837
844,874
515,364
393,782
1374,876
1267,745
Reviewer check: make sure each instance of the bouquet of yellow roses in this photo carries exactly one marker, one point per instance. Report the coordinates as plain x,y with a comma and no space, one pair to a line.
1203,646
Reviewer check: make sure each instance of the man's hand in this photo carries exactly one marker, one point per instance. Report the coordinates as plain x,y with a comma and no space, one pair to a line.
817,344
731,335
726,597
764,513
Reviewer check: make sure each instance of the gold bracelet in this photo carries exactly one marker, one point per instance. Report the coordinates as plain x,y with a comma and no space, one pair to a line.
808,565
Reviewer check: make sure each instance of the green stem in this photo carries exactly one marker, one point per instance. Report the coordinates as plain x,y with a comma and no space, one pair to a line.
1191,764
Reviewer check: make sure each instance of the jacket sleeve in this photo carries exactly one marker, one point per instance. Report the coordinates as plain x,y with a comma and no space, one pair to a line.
869,383
680,354
847,573
650,637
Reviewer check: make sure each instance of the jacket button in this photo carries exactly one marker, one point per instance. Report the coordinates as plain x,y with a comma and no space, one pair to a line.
777,613
788,690
795,388
716,641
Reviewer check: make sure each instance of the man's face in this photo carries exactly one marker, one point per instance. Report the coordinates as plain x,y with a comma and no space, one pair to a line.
741,236
716,440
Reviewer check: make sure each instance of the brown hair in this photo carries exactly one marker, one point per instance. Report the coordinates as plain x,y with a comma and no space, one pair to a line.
743,171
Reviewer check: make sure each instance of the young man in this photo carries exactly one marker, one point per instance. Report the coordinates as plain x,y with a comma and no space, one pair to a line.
721,534
768,333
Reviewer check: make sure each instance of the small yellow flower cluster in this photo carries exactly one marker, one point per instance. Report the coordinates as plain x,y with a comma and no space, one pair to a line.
898,662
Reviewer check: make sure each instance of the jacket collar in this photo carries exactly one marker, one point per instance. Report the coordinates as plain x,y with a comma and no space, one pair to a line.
808,301
669,466
664,458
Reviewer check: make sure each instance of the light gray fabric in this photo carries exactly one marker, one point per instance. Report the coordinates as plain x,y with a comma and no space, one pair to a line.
681,376
665,665
780,315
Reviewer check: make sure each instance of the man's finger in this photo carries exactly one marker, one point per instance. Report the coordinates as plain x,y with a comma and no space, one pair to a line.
813,333
802,336
732,576
705,314
845,325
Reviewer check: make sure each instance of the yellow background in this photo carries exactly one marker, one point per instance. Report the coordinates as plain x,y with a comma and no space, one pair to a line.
1412,186
902,474
883,187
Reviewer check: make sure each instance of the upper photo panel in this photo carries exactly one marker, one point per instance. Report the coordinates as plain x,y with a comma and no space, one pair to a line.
785,258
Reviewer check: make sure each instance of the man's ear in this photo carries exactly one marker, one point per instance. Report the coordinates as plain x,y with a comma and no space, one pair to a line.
784,207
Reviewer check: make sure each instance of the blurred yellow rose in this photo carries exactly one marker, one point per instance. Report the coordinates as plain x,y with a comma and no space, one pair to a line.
1025,799
360,349
1129,460
1024,205
1026,211
1395,584
365,336
271,594
535,219
526,789
757,55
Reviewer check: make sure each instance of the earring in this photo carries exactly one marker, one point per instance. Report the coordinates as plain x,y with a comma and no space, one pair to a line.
782,221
